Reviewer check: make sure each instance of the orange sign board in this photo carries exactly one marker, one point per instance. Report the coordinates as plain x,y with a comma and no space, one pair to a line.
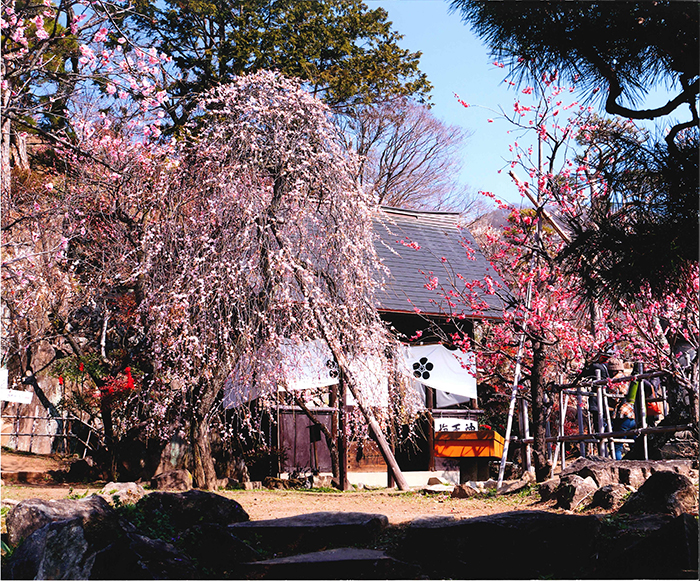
480,444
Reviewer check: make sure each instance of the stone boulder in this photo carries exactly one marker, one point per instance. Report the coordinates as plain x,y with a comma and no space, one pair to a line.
74,549
122,492
512,486
464,491
172,480
602,470
574,490
57,550
632,472
610,496
186,509
663,492
31,515
547,488
285,483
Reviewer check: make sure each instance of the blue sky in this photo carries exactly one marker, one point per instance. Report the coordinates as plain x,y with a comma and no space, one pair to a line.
456,61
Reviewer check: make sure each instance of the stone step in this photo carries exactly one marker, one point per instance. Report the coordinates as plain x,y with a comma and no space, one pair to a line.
343,563
311,532
26,477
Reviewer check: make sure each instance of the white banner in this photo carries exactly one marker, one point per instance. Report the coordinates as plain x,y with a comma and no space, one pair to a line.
311,364
439,368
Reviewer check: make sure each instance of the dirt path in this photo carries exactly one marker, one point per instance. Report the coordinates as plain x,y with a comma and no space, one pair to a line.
265,504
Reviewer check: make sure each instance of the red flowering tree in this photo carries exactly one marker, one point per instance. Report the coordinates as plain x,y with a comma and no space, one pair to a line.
553,324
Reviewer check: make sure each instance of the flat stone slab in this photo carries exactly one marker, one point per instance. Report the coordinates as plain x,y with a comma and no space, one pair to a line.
342,563
499,546
438,489
312,531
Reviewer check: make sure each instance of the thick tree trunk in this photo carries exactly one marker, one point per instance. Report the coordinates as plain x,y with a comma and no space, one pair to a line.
110,442
5,147
537,383
203,470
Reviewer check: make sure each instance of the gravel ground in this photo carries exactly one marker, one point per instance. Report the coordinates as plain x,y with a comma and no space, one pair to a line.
265,504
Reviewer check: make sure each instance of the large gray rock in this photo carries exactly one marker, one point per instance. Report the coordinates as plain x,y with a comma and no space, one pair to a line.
73,549
574,490
464,491
58,550
311,532
172,480
610,496
122,492
342,563
515,545
185,509
632,472
602,470
547,488
663,492
671,552
31,515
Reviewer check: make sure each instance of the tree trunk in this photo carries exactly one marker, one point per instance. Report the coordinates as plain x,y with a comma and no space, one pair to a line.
537,383
110,442
203,470
5,146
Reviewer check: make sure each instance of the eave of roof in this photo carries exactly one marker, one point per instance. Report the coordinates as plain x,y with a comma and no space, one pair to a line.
416,245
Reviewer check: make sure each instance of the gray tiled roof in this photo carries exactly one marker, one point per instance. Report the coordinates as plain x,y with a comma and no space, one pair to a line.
418,245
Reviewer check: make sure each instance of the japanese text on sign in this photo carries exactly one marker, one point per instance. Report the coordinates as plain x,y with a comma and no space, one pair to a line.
455,425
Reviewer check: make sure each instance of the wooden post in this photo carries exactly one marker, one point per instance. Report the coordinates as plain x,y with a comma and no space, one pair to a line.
611,442
342,436
390,482
643,409
559,448
563,444
16,426
525,433
579,415
600,427
602,451
31,434
430,404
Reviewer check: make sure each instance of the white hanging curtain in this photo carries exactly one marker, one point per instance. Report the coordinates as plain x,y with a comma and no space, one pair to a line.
311,364
438,367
